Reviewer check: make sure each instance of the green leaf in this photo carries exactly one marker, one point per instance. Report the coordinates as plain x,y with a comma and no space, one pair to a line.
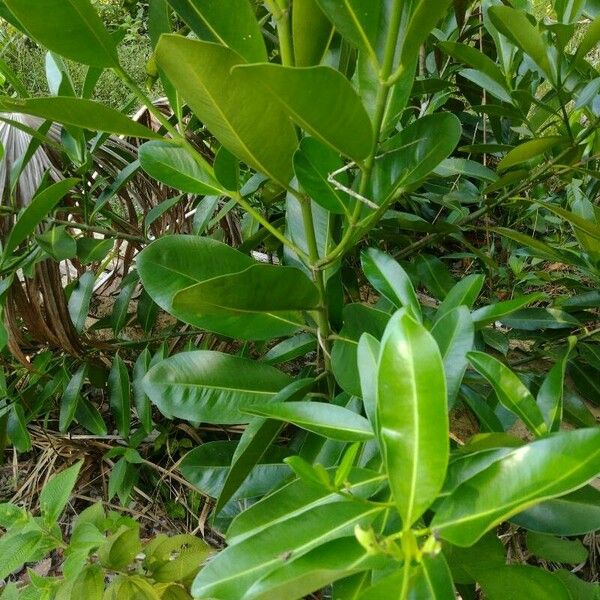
256,439
494,312
69,399
578,589
211,285
55,494
207,468
367,357
434,275
510,391
16,427
238,115
488,84
120,396
476,59
576,513
121,548
140,398
320,100
57,243
432,579
230,23
89,417
414,153
295,499
16,550
590,39
555,549
299,577
465,563
387,276
290,348
41,205
515,25
90,250
118,316
89,584
546,468
79,301
242,564
313,164
521,581
579,223
311,32
532,319
174,166
211,387
358,319
464,293
78,112
550,394
455,335
71,28
412,415
528,150
328,420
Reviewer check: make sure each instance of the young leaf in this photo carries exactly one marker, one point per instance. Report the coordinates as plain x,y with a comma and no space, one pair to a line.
210,386
412,415
510,391
56,493
465,292
328,420
69,400
494,312
120,396
367,356
544,469
71,28
118,317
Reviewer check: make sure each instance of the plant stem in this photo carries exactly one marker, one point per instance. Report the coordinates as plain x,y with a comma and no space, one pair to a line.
405,579
3,437
102,230
280,11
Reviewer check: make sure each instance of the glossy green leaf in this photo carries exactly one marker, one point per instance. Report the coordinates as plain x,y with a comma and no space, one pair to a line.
89,417
256,439
313,164
41,205
414,153
207,467
311,31
120,395
231,23
314,571
465,292
79,301
432,579
580,224
290,348
528,150
174,166
55,494
358,319
211,285
57,243
211,387
242,564
586,381
69,399
476,59
494,312
578,588
576,513
78,112
518,581
367,356
434,275
119,314
320,100
387,276
515,25
510,391
455,335
532,319
555,549
238,115
140,398
412,415
92,249
541,470
328,420
71,28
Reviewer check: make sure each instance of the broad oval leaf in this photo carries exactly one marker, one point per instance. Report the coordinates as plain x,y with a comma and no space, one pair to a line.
387,276
510,391
79,301
71,28
174,166
328,420
242,564
86,114
493,312
238,115
530,149
231,23
465,292
211,387
521,581
320,100
312,32
211,285
412,415
544,469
